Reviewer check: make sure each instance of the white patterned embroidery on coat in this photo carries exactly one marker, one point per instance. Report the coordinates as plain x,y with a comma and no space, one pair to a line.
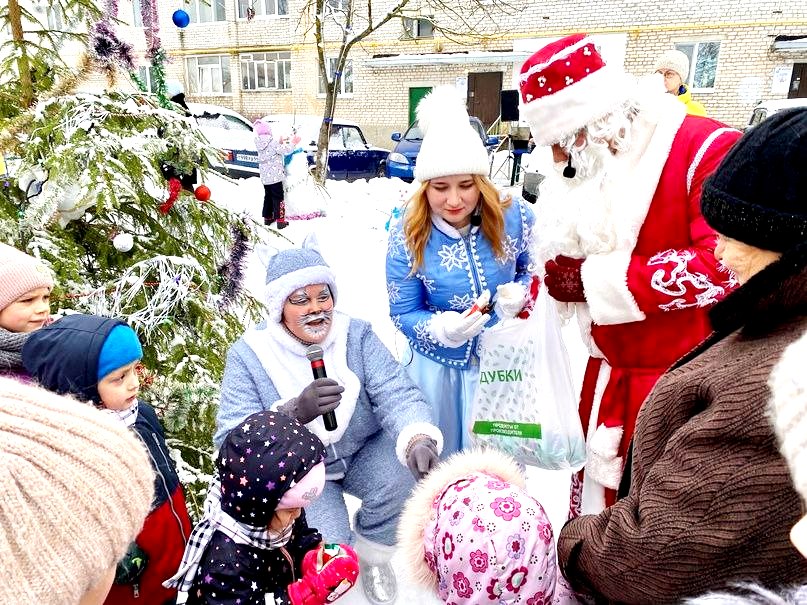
511,251
396,244
460,303
675,281
452,256
396,321
393,292
427,283
423,335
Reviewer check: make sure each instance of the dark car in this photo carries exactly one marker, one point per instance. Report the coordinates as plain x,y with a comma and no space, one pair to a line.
350,156
401,161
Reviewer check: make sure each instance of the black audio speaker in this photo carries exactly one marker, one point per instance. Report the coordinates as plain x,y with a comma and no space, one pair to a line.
509,106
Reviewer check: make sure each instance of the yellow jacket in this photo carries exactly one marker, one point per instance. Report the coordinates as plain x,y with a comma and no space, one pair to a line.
693,107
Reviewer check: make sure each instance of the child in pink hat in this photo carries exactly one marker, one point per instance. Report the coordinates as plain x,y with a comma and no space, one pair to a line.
473,534
25,285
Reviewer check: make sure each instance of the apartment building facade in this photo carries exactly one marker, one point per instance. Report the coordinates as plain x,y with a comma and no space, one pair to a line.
259,56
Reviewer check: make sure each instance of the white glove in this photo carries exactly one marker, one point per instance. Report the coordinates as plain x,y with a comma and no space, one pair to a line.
452,329
509,299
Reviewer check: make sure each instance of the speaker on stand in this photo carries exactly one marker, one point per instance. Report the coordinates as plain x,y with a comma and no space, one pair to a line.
509,113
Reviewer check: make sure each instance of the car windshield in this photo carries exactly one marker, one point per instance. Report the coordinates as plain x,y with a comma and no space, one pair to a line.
223,121
414,133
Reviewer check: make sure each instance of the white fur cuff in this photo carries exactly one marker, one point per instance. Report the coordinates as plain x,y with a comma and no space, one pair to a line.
605,282
603,464
418,428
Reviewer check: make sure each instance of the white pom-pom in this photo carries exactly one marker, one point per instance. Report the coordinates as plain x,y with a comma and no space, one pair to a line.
442,105
123,242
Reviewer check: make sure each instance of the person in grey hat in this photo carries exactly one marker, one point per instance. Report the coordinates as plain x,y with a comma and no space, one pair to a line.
706,500
383,424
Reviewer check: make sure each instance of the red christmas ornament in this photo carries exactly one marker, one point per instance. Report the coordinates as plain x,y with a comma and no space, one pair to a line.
202,193
174,187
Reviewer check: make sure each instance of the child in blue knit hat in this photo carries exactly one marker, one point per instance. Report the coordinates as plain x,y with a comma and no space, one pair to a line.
95,359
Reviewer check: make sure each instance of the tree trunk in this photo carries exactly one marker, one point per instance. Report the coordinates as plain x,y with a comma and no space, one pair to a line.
321,164
15,20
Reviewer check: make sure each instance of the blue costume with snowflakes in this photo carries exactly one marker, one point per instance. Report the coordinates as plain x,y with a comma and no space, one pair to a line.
455,271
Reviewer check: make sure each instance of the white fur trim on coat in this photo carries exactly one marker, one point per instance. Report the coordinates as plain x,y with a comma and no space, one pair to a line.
605,283
284,361
417,428
418,510
603,465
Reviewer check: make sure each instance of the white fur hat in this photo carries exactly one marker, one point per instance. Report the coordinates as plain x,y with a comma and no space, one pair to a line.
450,145
674,60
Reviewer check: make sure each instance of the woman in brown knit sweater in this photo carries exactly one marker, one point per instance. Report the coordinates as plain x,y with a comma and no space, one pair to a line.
708,499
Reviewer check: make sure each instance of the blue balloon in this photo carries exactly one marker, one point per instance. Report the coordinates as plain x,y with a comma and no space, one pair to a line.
180,18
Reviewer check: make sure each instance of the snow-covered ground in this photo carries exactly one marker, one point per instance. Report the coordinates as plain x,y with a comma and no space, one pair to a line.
352,238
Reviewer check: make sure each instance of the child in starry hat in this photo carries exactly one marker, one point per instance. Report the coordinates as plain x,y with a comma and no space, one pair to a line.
253,545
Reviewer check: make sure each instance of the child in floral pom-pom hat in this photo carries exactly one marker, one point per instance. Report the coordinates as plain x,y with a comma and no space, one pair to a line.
253,542
473,534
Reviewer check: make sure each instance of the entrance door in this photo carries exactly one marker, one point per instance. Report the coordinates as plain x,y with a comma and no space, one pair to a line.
484,94
798,82
415,95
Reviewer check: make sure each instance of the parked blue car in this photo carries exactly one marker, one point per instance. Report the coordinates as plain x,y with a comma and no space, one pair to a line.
401,161
350,156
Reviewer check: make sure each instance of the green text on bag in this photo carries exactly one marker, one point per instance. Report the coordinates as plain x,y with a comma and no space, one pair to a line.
488,376
508,429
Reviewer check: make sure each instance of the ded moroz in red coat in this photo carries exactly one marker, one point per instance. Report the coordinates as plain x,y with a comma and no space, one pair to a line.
649,274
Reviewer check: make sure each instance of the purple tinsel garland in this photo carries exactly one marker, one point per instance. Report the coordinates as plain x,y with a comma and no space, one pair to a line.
105,46
232,270
151,26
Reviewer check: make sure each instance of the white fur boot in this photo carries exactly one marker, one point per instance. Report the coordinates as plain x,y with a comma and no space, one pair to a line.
375,570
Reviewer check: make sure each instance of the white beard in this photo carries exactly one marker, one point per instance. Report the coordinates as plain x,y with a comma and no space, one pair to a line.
576,218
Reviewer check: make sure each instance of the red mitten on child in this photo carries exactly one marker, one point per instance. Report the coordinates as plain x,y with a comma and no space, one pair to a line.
329,571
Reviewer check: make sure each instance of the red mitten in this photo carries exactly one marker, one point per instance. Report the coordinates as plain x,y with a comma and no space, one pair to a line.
329,571
563,280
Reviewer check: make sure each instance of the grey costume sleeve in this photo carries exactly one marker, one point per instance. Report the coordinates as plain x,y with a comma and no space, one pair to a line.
397,402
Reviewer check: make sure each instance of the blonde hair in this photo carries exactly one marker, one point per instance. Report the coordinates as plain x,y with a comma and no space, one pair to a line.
417,225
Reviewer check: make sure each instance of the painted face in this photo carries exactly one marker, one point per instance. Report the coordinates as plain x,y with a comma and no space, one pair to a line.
283,518
307,313
743,259
28,313
672,81
118,389
453,198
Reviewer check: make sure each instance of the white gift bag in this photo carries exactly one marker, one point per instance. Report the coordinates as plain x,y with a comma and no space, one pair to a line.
525,403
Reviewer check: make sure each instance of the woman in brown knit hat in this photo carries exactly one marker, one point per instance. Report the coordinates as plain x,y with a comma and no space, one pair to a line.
75,488
708,501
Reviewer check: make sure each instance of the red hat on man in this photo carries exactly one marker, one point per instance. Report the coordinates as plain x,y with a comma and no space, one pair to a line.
567,85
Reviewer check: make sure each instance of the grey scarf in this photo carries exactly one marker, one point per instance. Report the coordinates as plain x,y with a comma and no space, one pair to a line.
11,349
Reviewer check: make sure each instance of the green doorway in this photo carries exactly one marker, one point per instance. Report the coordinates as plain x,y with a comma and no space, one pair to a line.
415,95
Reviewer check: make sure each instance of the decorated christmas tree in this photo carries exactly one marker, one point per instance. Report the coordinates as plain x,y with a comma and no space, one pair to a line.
96,194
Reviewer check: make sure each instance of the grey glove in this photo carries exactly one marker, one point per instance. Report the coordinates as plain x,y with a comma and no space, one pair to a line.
421,456
318,398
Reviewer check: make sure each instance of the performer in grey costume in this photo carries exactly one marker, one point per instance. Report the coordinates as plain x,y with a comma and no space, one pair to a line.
384,424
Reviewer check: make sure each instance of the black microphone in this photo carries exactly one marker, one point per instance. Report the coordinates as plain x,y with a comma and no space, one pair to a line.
314,354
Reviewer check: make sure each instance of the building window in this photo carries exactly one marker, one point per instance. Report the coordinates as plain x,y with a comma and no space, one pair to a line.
266,71
146,75
262,8
421,27
205,11
208,75
137,17
341,6
54,17
345,84
702,63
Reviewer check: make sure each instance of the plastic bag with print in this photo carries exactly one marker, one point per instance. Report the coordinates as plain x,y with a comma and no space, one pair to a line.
525,403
